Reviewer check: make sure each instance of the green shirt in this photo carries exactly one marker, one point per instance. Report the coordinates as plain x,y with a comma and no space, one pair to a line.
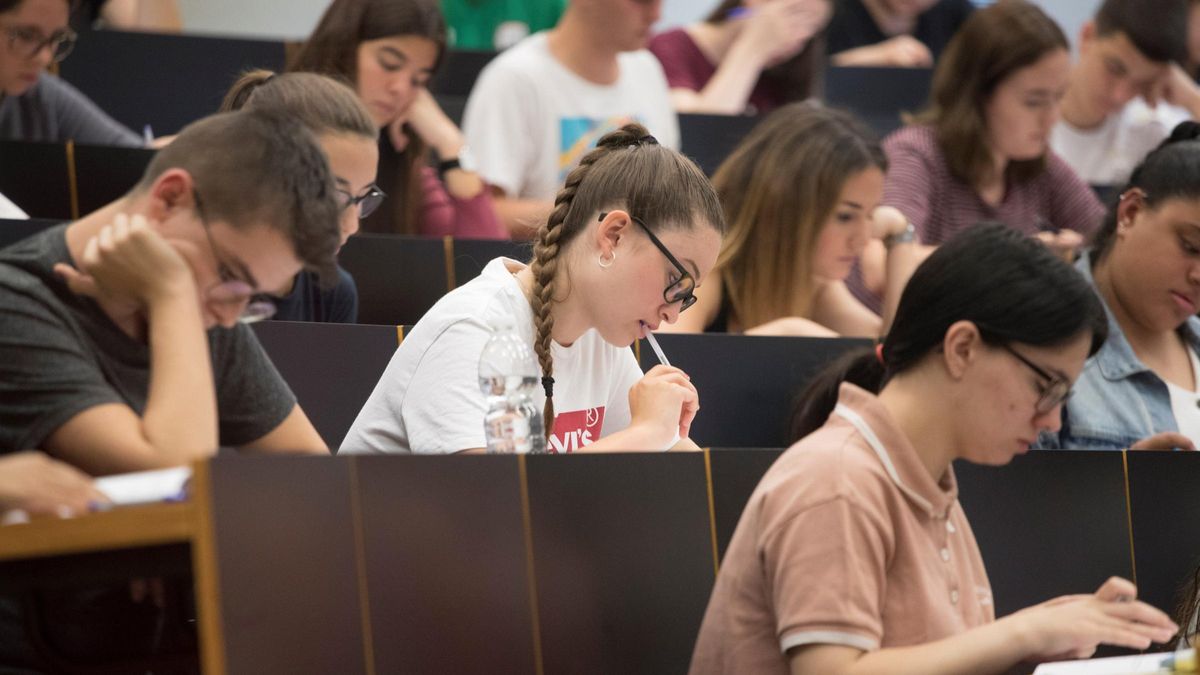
473,23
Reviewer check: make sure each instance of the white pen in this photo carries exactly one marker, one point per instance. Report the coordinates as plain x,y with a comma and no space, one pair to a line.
662,358
147,135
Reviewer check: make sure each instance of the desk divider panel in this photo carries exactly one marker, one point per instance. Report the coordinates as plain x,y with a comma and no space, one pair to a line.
184,76
459,70
1048,524
709,139
399,278
106,173
332,368
878,95
36,178
287,567
747,383
1164,492
735,474
446,564
472,255
12,231
623,560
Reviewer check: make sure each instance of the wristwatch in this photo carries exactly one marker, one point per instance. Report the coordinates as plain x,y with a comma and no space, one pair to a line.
905,236
465,161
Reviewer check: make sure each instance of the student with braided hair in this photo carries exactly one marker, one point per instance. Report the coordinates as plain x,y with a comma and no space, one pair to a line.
634,230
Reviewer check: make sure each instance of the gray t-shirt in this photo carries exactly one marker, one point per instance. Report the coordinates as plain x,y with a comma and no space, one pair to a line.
60,354
53,111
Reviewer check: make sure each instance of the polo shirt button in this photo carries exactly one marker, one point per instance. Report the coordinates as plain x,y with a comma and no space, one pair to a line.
954,596
950,527
946,554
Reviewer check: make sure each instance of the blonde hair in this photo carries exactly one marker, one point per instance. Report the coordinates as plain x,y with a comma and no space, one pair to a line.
778,189
627,169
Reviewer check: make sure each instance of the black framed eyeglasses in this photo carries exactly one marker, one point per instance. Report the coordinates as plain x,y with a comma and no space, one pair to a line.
26,42
682,290
233,288
1053,393
367,202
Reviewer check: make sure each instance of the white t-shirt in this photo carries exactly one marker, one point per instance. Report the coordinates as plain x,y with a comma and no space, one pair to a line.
1108,154
530,119
1186,404
429,400
10,210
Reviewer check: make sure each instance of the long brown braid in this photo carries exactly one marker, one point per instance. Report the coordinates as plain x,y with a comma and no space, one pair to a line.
657,182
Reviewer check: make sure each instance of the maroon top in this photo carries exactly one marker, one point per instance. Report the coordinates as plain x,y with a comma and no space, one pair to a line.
687,67
919,183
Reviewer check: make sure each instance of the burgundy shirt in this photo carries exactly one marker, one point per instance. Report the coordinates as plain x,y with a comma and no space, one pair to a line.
919,183
687,67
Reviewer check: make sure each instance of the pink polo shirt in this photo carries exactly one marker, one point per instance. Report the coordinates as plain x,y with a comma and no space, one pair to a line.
847,540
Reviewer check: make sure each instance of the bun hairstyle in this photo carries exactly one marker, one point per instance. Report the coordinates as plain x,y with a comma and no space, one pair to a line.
627,170
1168,172
320,103
1010,286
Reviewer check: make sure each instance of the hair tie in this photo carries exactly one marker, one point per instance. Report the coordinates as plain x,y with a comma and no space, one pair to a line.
647,140
548,385
879,354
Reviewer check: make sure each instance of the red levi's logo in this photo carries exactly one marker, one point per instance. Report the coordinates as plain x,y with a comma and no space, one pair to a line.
576,429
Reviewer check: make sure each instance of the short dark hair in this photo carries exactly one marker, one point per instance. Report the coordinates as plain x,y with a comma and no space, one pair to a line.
992,44
1009,285
258,167
1157,28
1168,172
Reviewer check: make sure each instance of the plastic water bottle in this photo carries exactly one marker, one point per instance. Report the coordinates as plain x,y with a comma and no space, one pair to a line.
508,375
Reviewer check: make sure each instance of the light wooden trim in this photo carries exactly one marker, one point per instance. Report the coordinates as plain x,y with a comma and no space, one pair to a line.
72,180
712,510
1129,515
448,251
360,555
399,335
530,572
206,573
122,527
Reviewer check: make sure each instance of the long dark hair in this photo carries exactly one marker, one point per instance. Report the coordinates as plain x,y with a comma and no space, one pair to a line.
796,79
1009,285
332,49
991,45
1168,172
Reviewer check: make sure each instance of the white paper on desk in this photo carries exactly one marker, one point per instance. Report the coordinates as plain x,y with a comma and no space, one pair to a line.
1116,665
146,487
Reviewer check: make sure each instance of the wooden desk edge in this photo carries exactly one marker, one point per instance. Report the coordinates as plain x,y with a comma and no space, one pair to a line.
122,527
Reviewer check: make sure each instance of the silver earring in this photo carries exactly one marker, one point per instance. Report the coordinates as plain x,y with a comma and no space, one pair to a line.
600,260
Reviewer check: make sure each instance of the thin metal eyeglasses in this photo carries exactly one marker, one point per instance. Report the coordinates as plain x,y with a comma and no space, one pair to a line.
1053,393
682,291
232,288
367,202
27,41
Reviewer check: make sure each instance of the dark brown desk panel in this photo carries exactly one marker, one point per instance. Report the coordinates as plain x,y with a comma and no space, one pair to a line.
747,383
331,367
472,255
445,561
1048,524
623,560
106,173
1164,492
35,177
398,278
735,474
287,572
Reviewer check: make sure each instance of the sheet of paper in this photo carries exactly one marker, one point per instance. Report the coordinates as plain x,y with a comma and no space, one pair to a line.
1116,665
146,487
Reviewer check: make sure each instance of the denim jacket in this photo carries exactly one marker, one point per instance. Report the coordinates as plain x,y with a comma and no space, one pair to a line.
1117,400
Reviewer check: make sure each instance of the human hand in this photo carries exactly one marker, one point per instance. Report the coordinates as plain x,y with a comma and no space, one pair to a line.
902,51
780,29
1176,88
427,119
128,261
887,221
1167,440
34,483
664,401
1073,626
1064,243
